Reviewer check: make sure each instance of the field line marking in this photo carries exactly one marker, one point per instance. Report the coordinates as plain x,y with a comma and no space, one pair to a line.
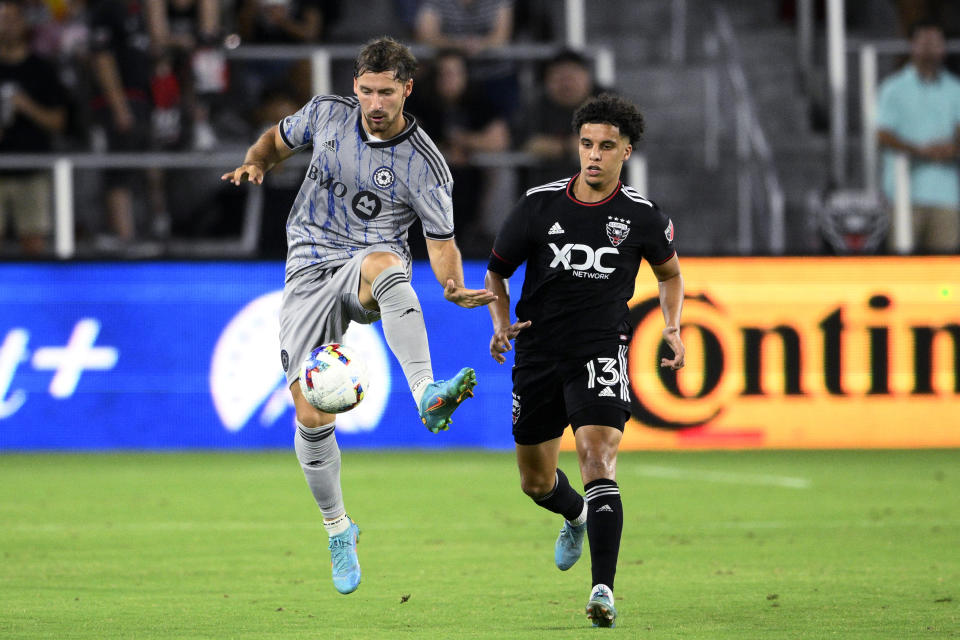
727,477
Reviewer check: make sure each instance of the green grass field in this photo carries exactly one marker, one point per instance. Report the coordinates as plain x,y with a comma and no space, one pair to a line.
716,545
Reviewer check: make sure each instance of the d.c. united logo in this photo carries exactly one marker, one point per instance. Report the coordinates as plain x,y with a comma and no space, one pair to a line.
617,230
668,232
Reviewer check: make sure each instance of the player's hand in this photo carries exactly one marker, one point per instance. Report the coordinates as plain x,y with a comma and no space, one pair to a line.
249,171
672,336
467,298
500,342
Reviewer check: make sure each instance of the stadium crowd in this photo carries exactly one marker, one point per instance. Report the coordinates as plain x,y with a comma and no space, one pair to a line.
140,76
131,76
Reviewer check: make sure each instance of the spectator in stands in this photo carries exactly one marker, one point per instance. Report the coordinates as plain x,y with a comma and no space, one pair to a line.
33,110
462,121
62,32
946,13
63,36
122,104
474,27
281,184
546,119
183,38
284,22
919,114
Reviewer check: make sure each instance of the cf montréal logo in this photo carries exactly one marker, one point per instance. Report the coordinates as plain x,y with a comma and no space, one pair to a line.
383,177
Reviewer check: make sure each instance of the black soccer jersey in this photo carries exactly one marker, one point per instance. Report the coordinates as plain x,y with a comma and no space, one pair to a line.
582,261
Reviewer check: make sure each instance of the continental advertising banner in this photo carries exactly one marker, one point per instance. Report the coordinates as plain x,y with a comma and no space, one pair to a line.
802,353
783,353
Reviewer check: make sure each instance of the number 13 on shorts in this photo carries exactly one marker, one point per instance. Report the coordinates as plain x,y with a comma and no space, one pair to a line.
605,373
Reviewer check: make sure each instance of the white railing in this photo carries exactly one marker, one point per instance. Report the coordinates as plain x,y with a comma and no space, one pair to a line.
759,193
322,58
63,167
901,226
868,53
837,73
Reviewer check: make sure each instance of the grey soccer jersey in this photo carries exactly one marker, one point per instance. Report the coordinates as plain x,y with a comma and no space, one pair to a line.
359,191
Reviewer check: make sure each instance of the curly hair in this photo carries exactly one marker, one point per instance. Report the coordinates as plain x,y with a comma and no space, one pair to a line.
611,109
385,54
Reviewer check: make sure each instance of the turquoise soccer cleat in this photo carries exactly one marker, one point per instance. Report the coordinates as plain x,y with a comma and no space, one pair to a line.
343,559
569,545
442,397
600,608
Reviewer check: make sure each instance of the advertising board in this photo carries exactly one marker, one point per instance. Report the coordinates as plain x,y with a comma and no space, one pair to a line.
781,353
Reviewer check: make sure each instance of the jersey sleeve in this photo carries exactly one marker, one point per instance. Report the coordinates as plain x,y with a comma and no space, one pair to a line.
658,238
510,248
434,207
298,128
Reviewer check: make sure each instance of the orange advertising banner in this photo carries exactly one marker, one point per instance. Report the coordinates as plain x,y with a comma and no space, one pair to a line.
801,353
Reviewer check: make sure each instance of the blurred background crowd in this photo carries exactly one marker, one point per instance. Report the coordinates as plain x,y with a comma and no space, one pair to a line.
152,99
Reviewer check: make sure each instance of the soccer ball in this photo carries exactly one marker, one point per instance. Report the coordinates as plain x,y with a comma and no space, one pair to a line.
333,379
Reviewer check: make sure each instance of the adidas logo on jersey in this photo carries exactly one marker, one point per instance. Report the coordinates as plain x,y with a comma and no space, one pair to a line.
606,393
330,144
555,229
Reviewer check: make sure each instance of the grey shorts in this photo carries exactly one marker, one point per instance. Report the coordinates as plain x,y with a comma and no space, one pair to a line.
318,305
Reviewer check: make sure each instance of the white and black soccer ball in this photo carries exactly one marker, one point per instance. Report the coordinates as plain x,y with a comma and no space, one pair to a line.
333,378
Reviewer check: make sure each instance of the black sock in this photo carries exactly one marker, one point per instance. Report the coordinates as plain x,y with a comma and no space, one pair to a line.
604,526
563,499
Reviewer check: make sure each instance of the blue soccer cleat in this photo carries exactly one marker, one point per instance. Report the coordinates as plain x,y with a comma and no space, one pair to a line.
442,397
569,545
600,608
343,559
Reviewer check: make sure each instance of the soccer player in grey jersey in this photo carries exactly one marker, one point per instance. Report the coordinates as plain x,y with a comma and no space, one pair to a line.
372,173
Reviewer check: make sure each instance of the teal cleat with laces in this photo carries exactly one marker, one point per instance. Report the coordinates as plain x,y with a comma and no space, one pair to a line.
442,397
600,607
343,559
569,545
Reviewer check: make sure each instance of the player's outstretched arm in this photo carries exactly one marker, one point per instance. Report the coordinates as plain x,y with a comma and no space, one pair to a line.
266,153
671,303
503,330
448,268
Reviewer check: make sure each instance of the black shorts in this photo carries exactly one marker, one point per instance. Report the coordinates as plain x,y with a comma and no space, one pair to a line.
547,396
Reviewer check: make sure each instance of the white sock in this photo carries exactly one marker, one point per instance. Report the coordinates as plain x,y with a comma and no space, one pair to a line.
402,320
581,519
319,457
604,587
336,526
419,388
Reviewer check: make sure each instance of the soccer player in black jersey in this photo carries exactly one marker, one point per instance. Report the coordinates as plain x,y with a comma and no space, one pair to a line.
583,239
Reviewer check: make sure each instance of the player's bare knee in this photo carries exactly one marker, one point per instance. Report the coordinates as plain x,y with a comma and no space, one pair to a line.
375,262
537,485
595,464
308,415
314,419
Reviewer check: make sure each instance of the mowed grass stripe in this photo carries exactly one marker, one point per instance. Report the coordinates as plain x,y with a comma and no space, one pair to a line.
229,545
